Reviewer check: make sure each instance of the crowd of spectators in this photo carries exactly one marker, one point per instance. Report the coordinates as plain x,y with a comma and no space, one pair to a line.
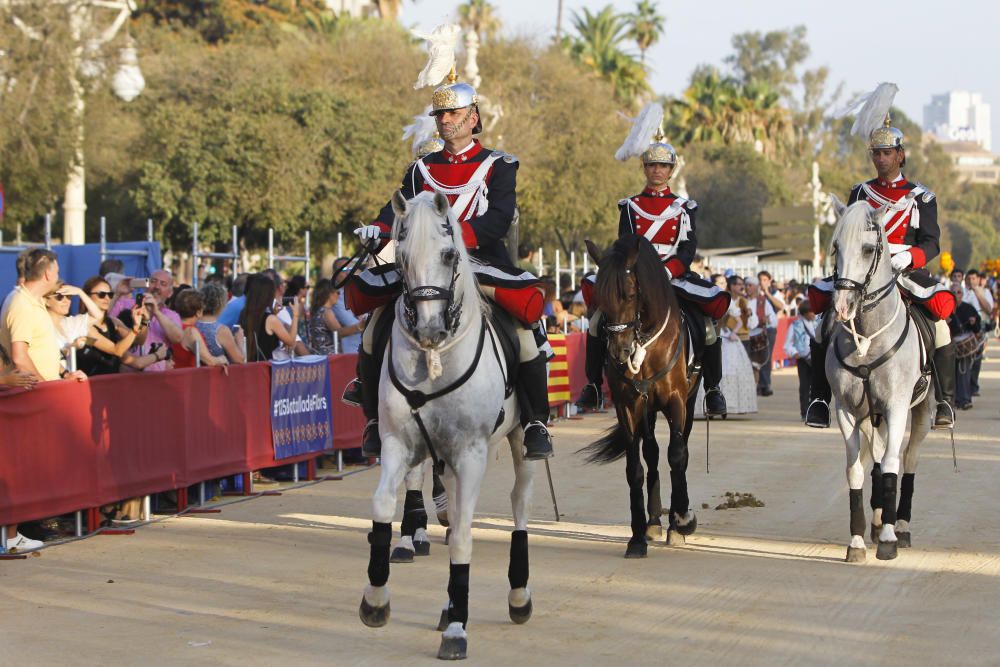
127,324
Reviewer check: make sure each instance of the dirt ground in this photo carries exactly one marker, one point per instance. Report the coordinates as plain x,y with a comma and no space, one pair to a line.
277,580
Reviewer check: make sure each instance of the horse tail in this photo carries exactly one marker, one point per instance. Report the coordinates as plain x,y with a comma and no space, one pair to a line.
609,448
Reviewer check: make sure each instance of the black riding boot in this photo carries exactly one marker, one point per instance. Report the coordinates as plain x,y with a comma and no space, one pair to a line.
944,372
592,398
711,373
818,412
368,372
533,397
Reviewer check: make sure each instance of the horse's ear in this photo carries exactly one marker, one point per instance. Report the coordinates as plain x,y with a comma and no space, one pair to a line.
399,204
838,206
593,251
441,204
876,215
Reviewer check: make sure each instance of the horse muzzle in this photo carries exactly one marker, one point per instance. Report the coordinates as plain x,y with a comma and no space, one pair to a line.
845,304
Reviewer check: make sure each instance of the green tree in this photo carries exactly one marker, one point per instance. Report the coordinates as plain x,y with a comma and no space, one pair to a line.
481,17
220,20
645,26
598,47
769,58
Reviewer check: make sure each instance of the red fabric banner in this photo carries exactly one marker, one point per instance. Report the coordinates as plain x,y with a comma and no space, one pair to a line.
73,445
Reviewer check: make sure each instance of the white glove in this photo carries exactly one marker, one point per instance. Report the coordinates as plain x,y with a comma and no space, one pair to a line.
902,260
371,232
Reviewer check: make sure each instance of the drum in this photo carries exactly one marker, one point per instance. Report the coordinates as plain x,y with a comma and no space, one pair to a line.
759,349
967,346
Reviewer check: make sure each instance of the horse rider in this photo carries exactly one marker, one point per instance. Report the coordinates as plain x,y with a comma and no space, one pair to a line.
913,234
667,220
481,185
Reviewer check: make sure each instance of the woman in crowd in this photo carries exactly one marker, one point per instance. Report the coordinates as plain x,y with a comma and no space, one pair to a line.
108,338
189,305
738,383
71,330
218,338
323,324
263,330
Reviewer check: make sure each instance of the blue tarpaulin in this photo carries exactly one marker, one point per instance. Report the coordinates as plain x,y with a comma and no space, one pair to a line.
79,262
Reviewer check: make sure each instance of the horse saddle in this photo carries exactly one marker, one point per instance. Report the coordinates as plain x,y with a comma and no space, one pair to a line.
694,333
926,339
510,345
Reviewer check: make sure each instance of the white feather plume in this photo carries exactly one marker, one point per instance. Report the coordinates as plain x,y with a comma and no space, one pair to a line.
422,128
871,109
644,127
441,45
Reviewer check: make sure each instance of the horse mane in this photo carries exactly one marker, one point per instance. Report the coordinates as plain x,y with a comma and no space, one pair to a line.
656,296
854,222
422,240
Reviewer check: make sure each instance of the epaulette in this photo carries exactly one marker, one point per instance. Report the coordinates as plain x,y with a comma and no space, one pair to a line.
928,196
856,186
624,202
691,204
506,157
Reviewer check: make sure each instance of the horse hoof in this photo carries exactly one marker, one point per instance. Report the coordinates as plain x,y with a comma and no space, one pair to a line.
855,555
874,534
654,531
520,615
636,549
453,648
886,550
401,555
443,621
373,617
443,518
903,540
688,528
422,548
675,538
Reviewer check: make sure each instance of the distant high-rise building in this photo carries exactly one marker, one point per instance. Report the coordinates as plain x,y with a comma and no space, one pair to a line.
959,116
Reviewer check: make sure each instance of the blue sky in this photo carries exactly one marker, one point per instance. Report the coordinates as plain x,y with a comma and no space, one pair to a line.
925,47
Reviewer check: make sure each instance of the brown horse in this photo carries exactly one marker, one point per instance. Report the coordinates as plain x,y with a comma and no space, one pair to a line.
647,371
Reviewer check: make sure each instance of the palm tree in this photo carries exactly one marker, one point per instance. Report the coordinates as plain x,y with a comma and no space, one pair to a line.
388,9
598,46
481,17
645,26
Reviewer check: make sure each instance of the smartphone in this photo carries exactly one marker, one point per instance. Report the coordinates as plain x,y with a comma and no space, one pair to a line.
138,299
138,283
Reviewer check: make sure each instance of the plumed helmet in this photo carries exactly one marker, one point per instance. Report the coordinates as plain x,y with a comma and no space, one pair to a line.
456,95
886,136
659,151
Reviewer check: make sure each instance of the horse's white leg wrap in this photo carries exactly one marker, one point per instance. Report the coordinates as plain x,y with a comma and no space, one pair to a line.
887,534
518,597
857,542
377,596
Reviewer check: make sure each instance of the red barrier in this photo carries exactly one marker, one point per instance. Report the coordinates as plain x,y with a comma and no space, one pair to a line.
68,445
778,353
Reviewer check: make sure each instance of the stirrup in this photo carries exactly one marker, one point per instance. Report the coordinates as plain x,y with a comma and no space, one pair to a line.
948,421
352,393
818,414
371,442
590,398
715,403
542,449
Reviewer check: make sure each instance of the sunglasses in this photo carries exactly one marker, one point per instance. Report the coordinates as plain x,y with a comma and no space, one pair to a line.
102,295
59,297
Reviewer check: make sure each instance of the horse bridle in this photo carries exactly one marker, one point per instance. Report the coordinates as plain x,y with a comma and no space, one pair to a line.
868,299
618,328
411,295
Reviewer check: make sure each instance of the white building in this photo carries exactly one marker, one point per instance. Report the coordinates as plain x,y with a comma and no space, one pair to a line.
959,116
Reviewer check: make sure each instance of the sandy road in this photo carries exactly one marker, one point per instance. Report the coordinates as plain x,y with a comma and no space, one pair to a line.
278,580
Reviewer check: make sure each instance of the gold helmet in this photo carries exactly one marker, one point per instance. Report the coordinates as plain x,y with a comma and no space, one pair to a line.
886,136
456,95
659,151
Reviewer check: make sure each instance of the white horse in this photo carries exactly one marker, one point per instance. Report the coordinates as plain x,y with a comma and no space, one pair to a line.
874,366
442,395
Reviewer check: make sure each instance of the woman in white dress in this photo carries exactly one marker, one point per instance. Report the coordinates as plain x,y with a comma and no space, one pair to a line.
738,384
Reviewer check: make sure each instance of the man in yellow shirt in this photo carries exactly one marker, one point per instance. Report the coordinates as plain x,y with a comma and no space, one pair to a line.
26,330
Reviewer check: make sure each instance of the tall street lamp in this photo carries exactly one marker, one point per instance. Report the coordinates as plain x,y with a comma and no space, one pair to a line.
127,83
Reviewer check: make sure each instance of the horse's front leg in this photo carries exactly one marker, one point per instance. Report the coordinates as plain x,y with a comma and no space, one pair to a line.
920,424
519,599
413,532
374,610
895,419
682,520
470,467
855,482
654,501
